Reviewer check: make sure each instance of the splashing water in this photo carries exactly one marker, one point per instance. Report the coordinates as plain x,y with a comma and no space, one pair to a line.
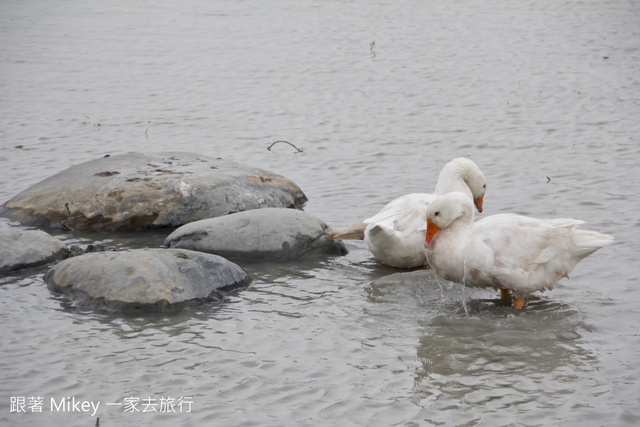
464,287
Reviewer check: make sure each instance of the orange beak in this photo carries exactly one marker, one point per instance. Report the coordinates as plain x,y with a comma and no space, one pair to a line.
432,230
478,203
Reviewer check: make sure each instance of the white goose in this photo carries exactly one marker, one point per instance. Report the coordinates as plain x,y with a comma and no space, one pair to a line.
513,253
395,235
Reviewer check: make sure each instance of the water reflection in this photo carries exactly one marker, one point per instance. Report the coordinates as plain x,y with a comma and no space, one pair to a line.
488,354
540,340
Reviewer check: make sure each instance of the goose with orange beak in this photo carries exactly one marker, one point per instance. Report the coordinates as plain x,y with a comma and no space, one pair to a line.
516,254
395,235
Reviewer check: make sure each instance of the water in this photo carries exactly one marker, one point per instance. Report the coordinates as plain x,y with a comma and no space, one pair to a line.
543,95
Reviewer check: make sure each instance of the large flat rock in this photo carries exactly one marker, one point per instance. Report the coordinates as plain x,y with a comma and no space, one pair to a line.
145,280
140,191
279,234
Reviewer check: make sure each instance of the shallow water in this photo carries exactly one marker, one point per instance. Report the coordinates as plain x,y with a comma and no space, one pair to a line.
544,96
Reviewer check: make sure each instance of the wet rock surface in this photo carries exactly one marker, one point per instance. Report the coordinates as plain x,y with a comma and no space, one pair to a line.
141,191
279,234
28,248
145,280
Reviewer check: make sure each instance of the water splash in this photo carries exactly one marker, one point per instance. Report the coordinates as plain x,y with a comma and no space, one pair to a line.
464,287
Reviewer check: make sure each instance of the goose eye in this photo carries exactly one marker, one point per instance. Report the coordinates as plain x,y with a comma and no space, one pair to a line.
436,214
484,185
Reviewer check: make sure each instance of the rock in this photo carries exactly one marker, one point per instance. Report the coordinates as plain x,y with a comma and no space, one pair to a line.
145,280
140,191
279,234
28,248
75,250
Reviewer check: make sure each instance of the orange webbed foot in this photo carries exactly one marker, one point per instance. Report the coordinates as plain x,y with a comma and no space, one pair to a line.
518,303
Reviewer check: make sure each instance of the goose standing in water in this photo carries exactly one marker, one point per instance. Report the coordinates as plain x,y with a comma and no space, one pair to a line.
395,235
514,253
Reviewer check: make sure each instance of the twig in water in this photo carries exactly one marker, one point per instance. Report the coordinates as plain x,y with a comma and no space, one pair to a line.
66,205
66,226
286,142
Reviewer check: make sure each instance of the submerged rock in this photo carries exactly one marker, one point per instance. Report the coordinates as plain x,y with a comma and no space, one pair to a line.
138,191
75,250
145,279
28,248
280,234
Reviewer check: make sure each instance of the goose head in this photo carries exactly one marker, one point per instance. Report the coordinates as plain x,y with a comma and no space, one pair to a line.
446,210
462,174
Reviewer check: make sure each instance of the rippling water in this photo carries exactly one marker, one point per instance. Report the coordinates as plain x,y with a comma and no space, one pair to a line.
543,95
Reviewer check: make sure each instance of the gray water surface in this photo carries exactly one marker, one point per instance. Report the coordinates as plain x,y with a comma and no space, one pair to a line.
543,95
